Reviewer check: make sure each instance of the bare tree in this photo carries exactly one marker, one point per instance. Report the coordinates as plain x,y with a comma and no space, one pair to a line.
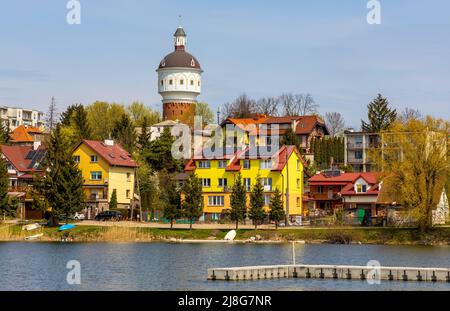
298,104
52,117
335,123
410,114
241,107
268,106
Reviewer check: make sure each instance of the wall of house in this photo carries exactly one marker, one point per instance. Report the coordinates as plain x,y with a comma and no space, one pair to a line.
118,180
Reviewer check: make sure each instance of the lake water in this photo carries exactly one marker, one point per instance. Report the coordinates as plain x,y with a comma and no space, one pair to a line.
162,266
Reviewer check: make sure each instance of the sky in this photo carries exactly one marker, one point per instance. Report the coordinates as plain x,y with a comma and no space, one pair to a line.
263,48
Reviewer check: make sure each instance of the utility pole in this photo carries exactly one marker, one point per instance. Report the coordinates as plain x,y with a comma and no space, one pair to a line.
218,115
287,187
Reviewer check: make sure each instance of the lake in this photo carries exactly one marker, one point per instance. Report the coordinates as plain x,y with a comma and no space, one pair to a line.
165,266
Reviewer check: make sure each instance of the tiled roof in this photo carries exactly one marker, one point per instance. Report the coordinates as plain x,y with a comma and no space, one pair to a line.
115,155
305,124
348,181
22,133
24,158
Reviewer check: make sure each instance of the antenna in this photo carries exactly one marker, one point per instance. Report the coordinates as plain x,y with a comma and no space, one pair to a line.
180,19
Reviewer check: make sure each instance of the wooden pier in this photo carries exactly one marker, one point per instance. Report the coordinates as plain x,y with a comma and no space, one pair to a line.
330,272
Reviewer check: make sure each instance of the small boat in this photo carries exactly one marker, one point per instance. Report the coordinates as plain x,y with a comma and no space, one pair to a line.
34,237
31,227
230,235
66,227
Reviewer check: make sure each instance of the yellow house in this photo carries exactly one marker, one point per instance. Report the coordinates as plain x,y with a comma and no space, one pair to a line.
282,169
105,167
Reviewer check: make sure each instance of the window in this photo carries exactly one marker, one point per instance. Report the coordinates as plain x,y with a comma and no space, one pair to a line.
222,163
206,182
204,164
181,82
162,82
298,165
265,164
267,183
192,82
360,188
358,140
267,199
246,164
299,184
358,154
128,176
222,182
268,141
216,200
298,202
128,193
76,159
320,189
94,158
96,175
171,82
247,183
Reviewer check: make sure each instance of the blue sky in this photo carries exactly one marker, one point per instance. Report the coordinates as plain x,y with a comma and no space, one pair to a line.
263,48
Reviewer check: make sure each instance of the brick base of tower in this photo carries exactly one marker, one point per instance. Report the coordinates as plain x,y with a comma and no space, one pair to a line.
183,112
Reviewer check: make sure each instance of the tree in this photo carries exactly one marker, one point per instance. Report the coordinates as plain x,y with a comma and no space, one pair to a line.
5,207
62,185
113,200
66,116
102,117
409,114
148,189
267,106
238,201
256,212
380,115
276,213
124,133
192,203
290,139
159,153
203,110
335,123
4,132
52,117
80,122
298,104
325,149
138,111
170,197
414,161
145,136
241,107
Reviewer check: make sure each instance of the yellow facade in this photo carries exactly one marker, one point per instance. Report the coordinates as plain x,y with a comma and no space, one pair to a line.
107,177
279,179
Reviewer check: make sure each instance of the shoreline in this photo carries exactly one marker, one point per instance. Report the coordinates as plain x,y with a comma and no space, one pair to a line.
114,233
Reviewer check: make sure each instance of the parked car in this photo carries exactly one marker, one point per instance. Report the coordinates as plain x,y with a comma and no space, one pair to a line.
79,216
109,215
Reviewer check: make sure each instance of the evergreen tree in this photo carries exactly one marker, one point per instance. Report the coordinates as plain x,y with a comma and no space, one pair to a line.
290,139
144,136
62,184
5,207
159,154
123,132
256,212
67,116
276,213
170,198
148,189
192,204
380,115
4,132
238,201
113,200
80,123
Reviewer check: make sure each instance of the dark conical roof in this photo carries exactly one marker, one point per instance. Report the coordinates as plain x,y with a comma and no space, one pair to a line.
179,32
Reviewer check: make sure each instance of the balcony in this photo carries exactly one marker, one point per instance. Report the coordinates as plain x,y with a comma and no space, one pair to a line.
19,189
325,196
355,161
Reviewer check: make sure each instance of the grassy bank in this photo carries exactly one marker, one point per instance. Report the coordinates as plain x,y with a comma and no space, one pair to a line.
438,236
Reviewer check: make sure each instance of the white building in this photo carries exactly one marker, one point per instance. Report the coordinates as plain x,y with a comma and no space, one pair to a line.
15,117
357,146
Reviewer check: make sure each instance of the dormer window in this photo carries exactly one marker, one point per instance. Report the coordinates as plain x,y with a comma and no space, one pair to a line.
360,188
192,63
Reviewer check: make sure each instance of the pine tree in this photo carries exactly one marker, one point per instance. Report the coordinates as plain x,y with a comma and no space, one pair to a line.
276,213
170,198
62,185
256,212
192,204
380,115
80,123
66,116
144,136
4,132
123,132
238,201
159,154
113,200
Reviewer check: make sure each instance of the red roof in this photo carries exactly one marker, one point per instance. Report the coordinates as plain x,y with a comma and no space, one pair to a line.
22,134
348,181
305,124
115,155
17,156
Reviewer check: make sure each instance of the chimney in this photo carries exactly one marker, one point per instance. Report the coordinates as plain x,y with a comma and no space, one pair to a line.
36,145
109,142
